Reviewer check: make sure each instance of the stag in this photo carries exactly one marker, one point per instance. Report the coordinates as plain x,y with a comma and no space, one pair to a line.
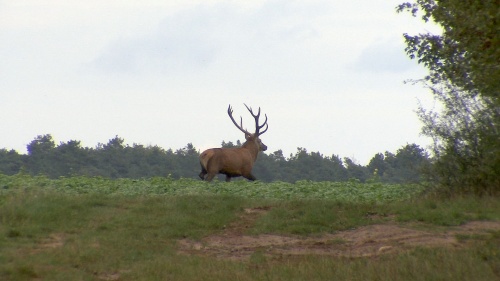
235,161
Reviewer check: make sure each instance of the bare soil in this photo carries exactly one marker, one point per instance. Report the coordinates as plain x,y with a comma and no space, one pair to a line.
368,241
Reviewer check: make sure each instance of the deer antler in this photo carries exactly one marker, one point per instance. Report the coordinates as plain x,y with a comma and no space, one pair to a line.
230,113
257,126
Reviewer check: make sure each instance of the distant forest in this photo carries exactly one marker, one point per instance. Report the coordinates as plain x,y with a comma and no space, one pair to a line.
117,160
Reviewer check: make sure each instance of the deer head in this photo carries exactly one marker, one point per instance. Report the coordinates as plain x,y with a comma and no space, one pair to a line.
251,138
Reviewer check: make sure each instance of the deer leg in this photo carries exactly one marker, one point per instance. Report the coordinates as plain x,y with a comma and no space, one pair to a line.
250,177
202,173
228,178
210,177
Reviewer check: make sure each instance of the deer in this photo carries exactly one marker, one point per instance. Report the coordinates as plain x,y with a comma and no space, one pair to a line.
235,161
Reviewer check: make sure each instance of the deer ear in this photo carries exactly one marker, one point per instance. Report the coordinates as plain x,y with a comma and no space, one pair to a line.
247,137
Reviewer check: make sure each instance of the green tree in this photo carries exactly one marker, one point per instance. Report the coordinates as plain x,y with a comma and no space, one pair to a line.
68,158
41,155
338,170
111,158
409,163
356,171
467,53
230,144
466,143
377,166
11,162
187,162
464,75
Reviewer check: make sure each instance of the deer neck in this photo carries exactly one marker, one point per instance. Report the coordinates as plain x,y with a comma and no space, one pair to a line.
252,147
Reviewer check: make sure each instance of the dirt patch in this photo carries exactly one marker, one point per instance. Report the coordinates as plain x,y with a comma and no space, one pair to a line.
55,240
109,276
366,241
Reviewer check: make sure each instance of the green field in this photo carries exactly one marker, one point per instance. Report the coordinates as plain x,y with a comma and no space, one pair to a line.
162,229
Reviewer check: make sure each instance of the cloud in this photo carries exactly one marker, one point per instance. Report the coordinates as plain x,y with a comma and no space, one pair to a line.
178,44
319,69
195,38
385,56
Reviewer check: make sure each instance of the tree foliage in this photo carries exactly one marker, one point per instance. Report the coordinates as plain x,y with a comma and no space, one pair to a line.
115,159
467,53
407,165
464,76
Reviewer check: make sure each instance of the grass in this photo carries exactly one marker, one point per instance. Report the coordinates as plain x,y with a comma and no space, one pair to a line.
421,264
100,233
306,217
47,233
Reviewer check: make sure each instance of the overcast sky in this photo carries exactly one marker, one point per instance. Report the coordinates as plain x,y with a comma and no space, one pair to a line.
328,74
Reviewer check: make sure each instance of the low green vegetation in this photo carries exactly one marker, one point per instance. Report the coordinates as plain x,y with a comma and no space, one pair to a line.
99,229
339,191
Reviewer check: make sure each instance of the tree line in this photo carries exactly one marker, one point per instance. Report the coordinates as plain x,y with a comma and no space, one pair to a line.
117,160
